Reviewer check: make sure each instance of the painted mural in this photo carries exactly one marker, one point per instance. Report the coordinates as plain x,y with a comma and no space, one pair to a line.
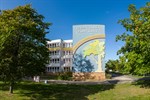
95,48
88,48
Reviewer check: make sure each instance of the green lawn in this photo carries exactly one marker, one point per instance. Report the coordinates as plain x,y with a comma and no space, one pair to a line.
40,91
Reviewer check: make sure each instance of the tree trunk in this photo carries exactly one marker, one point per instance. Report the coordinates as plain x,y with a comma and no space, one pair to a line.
11,88
99,69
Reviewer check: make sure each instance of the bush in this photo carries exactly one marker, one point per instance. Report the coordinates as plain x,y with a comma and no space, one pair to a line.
108,76
65,76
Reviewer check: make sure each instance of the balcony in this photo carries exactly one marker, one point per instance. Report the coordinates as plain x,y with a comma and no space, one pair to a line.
67,49
67,64
54,64
55,56
67,56
54,49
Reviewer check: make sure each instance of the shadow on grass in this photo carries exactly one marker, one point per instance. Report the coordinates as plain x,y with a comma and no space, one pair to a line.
42,91
4,86
143,82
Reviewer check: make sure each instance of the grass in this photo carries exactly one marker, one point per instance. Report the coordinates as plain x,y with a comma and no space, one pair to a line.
40,91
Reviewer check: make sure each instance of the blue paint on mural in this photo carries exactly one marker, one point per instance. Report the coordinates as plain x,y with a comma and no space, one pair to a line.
88,63
82,31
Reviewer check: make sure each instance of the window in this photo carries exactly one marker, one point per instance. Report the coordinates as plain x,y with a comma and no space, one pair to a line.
47,45
64,53
64,61
66,69
57,52
57,60
69,60
57,44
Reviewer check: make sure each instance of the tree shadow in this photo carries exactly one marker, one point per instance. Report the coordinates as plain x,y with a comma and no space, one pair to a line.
114,74
143,82
4,86
37,91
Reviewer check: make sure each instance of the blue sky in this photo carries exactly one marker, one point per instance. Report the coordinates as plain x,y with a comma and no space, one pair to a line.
65,13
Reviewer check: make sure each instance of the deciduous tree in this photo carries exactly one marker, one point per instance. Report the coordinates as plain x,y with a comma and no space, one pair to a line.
135,54
23,49
114,65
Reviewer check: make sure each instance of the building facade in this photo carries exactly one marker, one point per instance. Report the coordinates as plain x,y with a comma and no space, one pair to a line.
84,55
60,55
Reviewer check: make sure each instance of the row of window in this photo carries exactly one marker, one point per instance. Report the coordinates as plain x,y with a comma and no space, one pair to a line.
57,69
58,52
54,52
67,60
57,60
67,45
54,61
67,69
67,52
53,45
52,69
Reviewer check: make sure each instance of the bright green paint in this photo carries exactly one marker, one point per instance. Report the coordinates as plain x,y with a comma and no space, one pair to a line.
95,48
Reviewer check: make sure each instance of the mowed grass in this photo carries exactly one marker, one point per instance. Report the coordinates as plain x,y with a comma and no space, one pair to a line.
41,91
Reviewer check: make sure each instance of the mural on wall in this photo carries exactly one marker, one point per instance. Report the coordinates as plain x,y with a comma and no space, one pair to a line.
81,64
88,48
95,48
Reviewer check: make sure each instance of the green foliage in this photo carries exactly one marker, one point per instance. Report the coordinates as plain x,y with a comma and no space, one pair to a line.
65,76
49,77
58,76
23,49
135,54
114,65
108,76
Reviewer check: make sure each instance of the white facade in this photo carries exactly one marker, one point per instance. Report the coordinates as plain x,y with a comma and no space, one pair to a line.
60,55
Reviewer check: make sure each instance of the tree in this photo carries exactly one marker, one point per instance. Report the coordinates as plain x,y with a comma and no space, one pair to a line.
23,49
114,65
135,54
97,49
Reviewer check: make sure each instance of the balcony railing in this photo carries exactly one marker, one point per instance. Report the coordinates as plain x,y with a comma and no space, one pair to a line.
54,64
67,49
59,48
67,56
55,49
55,56
67,64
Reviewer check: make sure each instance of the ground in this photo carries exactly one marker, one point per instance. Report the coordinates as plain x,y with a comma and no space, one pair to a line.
109,90
116,78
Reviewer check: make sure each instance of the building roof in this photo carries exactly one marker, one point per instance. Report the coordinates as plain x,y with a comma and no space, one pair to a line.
68,40
59,40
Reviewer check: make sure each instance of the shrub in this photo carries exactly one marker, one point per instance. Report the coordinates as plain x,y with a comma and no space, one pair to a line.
108,76
65,76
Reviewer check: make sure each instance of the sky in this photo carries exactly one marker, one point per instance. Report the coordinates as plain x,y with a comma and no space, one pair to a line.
63,14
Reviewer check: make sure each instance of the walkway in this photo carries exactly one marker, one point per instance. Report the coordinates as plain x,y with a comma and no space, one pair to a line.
114,80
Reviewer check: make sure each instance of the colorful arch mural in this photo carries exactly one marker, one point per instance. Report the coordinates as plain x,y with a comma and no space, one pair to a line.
88,48
89,38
